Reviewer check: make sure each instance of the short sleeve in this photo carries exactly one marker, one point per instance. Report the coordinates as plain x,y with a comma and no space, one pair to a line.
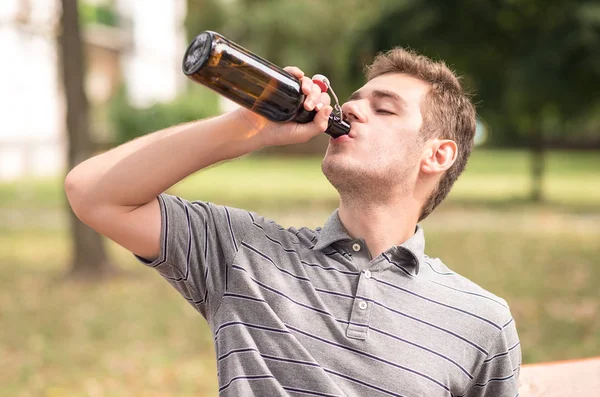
498,375
198,243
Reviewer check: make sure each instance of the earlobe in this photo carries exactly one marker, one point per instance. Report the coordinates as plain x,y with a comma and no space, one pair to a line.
440,156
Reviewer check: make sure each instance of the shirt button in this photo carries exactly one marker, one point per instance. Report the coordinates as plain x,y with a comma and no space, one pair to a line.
356,247
367,274
362,305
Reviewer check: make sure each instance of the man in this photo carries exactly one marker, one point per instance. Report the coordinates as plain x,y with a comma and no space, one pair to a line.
355,308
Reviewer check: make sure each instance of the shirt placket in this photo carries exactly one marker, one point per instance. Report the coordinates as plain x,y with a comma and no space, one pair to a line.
363,304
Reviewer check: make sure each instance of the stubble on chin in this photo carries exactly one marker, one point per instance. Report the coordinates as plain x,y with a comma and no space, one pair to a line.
357,183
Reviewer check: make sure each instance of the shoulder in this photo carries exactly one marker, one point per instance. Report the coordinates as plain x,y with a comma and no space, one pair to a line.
243,223
465,293
269,231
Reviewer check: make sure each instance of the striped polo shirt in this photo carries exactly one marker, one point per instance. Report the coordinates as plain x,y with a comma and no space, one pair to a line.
301,312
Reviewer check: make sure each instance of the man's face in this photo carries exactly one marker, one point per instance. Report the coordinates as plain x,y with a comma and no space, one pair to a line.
381,156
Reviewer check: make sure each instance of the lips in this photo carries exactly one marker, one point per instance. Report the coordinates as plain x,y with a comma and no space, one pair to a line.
352,133
341,138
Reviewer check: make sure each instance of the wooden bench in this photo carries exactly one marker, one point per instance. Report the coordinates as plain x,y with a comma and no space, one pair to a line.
574,378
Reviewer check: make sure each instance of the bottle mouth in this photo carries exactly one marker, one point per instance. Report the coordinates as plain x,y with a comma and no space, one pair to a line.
197,53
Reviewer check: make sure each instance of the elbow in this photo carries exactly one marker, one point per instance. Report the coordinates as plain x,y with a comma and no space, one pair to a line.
76,193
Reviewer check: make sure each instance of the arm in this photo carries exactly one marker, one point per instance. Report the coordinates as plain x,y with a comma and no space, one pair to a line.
116,192
498,375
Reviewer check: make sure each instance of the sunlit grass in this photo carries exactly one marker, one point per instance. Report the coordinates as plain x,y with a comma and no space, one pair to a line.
572,179
129,336
135,336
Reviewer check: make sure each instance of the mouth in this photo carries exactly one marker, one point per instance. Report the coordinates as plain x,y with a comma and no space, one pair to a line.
352,134
342,138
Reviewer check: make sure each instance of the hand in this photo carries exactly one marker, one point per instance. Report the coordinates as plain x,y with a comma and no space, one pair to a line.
274,134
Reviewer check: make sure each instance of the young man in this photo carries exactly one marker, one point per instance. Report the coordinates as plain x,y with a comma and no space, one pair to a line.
355,308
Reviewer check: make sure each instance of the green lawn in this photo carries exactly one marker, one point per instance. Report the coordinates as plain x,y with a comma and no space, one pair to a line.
572,179
134,336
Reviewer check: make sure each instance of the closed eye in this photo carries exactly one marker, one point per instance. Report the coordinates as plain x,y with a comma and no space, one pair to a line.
383,111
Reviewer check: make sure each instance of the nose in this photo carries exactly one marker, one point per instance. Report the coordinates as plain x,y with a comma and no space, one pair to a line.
353,111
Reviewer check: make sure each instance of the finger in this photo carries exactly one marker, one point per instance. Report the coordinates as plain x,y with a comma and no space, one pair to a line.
308,89
314,99
295,71
321,120
324,100
307,86
304,132
315,94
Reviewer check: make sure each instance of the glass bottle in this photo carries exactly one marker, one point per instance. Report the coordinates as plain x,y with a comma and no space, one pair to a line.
250,81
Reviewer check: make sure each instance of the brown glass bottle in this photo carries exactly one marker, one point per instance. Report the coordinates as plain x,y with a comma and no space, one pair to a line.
250,81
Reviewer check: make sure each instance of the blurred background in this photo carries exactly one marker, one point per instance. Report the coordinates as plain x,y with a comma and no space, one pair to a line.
79,316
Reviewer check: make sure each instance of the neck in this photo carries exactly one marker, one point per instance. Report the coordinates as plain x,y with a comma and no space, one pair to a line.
380,225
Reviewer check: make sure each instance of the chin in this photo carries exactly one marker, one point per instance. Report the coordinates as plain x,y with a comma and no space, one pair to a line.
338,162
343,170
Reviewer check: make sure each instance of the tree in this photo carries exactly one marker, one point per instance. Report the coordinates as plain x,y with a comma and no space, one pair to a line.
312,35
89,258
535,64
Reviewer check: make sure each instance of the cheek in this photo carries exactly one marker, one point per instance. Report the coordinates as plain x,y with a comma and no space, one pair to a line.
394,142
401,139
403,150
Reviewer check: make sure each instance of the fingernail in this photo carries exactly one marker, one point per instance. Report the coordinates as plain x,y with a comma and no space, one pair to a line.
310,104
319,106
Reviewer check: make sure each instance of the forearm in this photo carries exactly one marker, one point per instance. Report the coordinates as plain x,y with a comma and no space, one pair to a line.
136,172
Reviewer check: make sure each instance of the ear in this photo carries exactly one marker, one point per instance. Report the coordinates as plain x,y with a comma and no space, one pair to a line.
439,156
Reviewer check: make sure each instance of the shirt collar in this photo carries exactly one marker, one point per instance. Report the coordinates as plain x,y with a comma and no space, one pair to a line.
334,231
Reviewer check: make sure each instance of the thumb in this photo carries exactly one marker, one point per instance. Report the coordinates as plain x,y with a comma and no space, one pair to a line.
305,132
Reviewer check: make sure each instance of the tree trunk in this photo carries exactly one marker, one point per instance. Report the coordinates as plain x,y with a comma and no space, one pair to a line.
89,258
538,166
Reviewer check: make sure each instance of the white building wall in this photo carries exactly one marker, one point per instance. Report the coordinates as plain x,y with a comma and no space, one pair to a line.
30,102
153,68
32,128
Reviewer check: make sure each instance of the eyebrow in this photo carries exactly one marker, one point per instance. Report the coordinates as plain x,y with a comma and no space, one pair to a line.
381,94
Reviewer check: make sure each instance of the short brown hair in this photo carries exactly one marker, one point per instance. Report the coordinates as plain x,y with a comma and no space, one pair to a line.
448,112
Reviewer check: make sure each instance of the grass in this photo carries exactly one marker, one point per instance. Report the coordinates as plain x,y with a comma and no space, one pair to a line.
492,176
131,336
136,336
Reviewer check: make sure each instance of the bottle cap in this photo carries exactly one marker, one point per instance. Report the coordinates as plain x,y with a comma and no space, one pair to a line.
325,85
321,81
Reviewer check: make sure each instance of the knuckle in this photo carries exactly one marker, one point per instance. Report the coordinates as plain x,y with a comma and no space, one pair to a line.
306,85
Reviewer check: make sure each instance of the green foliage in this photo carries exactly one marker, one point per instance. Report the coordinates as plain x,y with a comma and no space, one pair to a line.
492,177
102,14
130,122
205,15
534,64
313,35
136,336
